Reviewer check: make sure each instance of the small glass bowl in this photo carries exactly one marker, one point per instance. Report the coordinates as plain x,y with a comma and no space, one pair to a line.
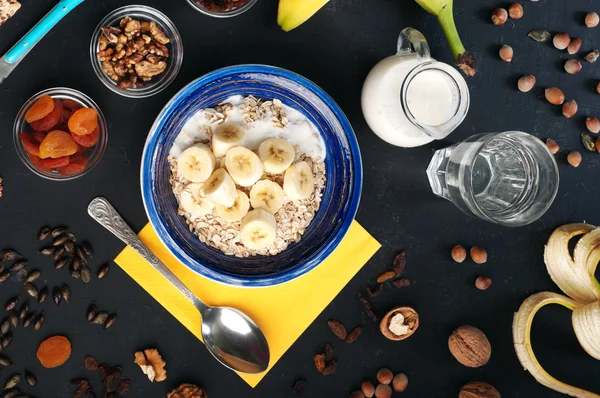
227,14
94,154
141,13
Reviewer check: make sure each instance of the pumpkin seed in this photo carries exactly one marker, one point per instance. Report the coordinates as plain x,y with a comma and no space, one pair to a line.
12,382
9,255
110,321
24,310
4,276
87,249
5,327
6,339
86,275
58,253
61,263
540,35
5,361
91,312
81,254
30,378
11,393
39,322
47,251
588,142
29,320
100,318
31,290
58,231
56,296
76,263
33,276
103,270
60,241
14,319
43,295
65,293
12,303
44,232
69,246
18,266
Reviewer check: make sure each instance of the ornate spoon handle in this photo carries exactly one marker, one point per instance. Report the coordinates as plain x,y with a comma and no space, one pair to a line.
105,214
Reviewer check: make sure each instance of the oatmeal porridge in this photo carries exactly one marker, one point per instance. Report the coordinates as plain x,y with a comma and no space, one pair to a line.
248,175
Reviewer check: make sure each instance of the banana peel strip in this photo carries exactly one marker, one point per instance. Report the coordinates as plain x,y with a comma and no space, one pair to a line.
575,277
522,340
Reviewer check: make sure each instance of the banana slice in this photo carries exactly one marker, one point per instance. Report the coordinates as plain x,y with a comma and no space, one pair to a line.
196,163
225,137
259,229
298,181
220,188
267,195
237,211
222,163
276,154
192,201
244,166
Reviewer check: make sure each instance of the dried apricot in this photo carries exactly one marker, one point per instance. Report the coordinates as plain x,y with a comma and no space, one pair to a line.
54,351
57,144
39,163
39,136
77,165
29,143
83,121
51,120
71,104
56,163
40,109
88,140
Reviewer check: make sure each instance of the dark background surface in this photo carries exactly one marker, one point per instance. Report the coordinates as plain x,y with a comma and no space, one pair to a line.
336,49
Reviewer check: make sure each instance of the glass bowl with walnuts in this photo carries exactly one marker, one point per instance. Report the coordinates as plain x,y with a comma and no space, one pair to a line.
136,51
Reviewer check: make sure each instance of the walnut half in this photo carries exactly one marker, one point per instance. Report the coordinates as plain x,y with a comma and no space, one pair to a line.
187,391
151,364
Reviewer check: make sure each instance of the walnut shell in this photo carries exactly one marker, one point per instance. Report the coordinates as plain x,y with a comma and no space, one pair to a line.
384,325
187,391
478,389
470,346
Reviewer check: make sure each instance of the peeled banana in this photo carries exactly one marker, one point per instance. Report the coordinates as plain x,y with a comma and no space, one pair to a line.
235,212
259,229
575,276
193,201
244,166
220,188
276,154
225,137
196,163
298,181
267,195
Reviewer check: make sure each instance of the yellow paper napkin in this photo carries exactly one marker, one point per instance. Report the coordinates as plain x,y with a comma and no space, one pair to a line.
268,307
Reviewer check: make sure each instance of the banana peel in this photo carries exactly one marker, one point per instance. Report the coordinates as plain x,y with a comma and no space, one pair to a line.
293,13
442,9
574,275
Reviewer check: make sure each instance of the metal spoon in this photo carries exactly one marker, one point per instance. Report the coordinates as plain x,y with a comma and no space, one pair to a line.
229,334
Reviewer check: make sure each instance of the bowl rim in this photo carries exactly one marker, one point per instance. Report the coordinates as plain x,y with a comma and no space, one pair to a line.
326,250
227,14
101,145
164,80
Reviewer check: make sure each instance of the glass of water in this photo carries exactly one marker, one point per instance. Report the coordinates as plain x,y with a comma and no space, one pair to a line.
508,178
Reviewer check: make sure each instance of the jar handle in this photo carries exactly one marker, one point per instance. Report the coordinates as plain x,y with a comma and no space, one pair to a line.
411,41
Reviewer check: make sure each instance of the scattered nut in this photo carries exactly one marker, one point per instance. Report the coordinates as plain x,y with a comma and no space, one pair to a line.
385,376
592,56
470,346
399,323
574,158
592,19
400,382
561,40
478,389
572,66
499,16
506,53
186,391
515,10
555,96
526,83
383,391
574,46
459,253
598,144
588,142
592,124
552,146
478,254
152,364
356,394
367,388
569,109
483,282
598,87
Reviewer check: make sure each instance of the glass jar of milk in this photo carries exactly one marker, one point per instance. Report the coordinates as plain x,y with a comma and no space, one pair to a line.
410,99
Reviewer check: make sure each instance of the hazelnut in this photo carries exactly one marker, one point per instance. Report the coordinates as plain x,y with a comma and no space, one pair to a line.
561,40
506,53
459,253
598,87
591,20
385,376
356,394
478,254
367,388
572,66
592,124
470,346
555,96
478,389
499,16
569,108
574,159
574,46
383,391
515,10
483,282
552,146
526,83
399,323
400,382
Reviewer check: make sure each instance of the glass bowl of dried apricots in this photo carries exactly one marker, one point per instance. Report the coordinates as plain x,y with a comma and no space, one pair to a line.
60,134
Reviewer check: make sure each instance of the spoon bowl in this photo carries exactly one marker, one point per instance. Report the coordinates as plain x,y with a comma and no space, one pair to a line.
229,334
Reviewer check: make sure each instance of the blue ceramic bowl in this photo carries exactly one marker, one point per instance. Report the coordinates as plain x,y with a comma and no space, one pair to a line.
340,197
